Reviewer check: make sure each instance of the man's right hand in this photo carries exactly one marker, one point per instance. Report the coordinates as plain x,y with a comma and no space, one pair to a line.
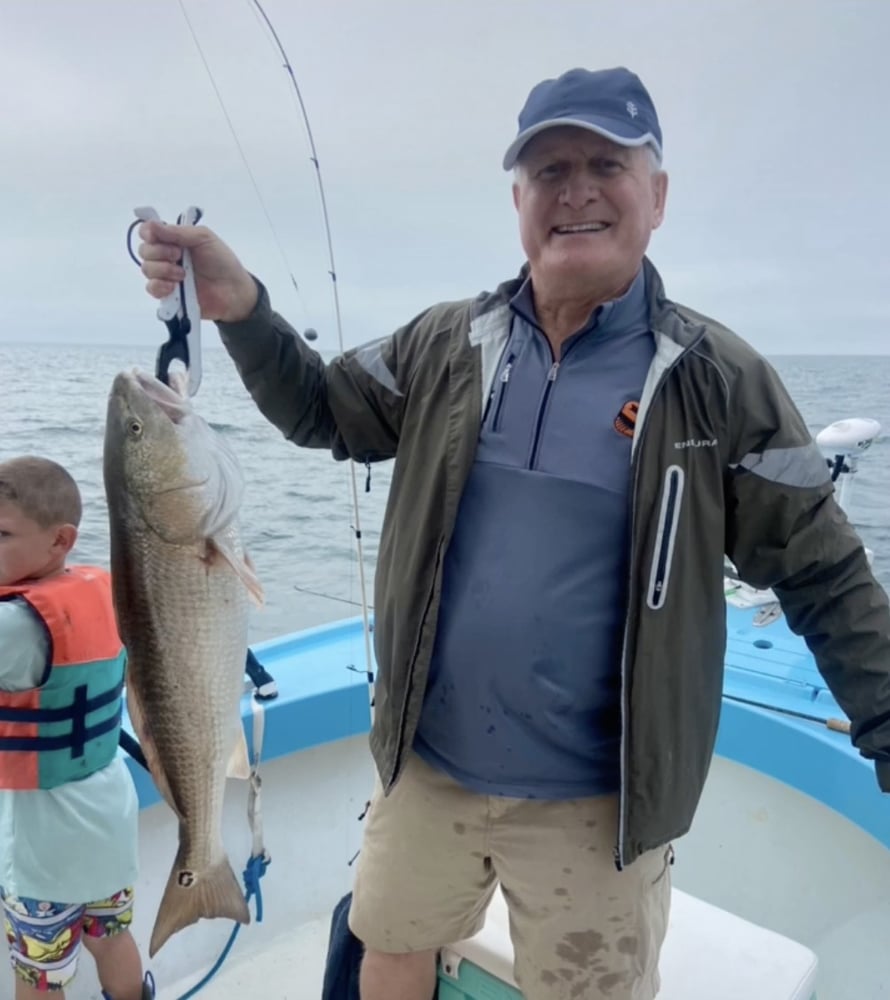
226,291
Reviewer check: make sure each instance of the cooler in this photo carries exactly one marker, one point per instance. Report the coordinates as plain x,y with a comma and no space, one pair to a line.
708,954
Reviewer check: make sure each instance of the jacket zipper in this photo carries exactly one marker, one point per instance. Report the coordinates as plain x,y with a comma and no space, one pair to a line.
414,655
668,520
542,409
502,392
618,850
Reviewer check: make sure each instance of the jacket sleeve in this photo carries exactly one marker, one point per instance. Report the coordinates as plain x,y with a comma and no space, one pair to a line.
353,405
784,530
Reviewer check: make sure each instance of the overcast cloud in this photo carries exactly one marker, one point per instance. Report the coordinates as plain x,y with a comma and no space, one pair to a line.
775,118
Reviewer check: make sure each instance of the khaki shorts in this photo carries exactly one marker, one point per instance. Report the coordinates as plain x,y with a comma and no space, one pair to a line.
433,853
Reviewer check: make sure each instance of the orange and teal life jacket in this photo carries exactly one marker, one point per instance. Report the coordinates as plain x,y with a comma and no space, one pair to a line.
68,726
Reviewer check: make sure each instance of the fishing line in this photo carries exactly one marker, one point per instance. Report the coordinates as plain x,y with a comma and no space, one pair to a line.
240,148
332,271
356,528
329,597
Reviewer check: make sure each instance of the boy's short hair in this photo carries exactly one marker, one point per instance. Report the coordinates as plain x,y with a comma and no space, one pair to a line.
43,491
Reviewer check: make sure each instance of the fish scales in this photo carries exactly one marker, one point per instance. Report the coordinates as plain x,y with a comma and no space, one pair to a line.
182,585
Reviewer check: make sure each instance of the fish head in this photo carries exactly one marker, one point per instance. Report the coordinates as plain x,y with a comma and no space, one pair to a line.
165,467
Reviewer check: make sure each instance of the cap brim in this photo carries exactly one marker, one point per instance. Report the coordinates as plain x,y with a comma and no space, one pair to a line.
617,132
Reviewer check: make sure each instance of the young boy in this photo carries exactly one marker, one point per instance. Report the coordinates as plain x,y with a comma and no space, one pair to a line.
68,807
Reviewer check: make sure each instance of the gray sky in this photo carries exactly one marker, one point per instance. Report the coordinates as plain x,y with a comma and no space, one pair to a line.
775,119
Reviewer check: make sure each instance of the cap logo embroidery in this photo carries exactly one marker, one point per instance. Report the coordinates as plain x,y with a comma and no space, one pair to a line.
632,109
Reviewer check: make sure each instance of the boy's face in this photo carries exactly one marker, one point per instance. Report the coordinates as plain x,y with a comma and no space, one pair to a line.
27,551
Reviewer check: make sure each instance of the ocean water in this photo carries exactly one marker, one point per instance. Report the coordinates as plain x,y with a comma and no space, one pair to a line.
297,516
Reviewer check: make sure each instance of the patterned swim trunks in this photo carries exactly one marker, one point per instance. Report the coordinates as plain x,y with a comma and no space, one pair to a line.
45,938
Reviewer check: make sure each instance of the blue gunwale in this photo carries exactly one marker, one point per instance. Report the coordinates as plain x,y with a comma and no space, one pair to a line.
323,697
322,694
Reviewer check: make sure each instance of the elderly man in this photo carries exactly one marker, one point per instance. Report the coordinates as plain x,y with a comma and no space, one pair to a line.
574,454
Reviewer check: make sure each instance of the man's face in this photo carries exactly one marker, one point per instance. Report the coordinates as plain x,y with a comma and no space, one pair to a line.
587,208
26,549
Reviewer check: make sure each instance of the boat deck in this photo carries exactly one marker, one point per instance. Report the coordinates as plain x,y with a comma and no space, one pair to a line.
758,850
288,965
764,846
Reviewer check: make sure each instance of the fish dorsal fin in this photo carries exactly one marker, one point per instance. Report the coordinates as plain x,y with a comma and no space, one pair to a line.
239,762
147,743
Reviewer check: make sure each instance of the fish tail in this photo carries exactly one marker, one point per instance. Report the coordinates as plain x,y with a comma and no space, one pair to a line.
190,895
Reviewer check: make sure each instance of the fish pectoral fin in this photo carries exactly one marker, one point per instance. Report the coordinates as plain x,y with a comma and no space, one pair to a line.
243,567
147,743
239,762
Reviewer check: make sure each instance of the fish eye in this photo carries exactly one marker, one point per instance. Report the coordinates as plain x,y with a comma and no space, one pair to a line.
134,428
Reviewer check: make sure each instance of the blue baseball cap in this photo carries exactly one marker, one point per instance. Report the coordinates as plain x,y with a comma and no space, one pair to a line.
612,102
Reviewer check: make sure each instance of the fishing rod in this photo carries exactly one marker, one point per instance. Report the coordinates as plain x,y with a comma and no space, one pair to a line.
835,725
357,531
309,334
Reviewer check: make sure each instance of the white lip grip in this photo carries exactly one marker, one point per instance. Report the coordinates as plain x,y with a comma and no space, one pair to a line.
179,311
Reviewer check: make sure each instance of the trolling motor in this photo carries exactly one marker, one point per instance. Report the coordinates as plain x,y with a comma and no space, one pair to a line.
842,443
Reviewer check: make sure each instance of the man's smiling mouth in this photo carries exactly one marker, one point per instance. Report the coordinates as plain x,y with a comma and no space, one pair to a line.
581,227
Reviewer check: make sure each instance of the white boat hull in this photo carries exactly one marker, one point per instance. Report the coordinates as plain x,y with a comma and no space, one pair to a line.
758,849
771,842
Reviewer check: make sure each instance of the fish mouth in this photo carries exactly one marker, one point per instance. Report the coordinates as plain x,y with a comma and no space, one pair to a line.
166,398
